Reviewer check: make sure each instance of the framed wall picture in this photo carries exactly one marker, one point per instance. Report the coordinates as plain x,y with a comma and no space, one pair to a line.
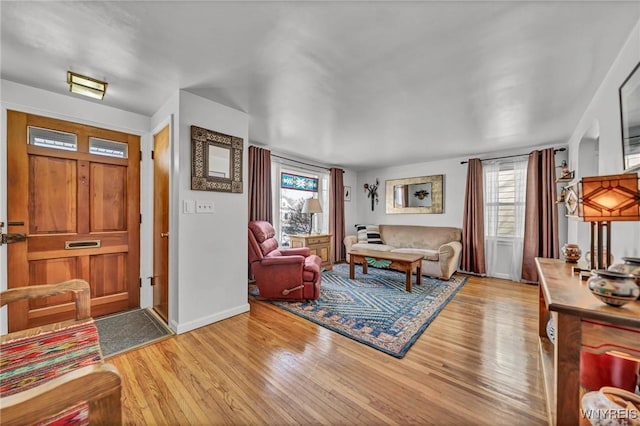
347,193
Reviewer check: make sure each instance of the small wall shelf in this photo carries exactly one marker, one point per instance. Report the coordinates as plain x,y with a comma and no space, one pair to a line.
566,177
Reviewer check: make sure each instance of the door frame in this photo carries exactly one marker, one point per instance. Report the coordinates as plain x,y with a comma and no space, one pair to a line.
81,112
173,221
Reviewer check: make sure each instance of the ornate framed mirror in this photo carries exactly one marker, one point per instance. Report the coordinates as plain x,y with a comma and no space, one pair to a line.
422,194
216,161
630,120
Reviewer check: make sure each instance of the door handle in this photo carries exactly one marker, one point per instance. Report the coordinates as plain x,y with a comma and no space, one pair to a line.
12,238
164,235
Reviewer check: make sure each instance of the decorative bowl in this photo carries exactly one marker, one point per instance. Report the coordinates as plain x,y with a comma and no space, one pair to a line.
571,253
598,407
612,287
631,266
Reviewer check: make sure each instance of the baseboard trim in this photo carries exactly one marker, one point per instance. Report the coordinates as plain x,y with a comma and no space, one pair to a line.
180,328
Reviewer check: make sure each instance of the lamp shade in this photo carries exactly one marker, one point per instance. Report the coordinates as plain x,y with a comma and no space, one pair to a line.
311,205
604,198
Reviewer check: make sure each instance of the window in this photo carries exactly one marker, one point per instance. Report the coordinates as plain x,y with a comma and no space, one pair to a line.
53,139
504,205
108,148
69,142
504,185
292,186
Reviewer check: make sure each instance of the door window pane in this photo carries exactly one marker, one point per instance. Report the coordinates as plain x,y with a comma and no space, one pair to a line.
108,148
53,139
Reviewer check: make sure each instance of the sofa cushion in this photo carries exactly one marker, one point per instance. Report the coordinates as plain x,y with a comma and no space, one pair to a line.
274,253
369,234
264,235
428,254
262,230
376,247
424,237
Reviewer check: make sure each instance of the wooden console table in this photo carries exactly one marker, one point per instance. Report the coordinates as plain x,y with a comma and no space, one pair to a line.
320,244
406,262
582,323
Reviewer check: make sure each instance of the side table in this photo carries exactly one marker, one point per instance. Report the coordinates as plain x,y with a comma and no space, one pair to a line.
582,323
319,244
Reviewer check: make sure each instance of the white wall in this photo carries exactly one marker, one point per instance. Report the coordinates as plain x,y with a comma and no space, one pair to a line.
18,97
212,267
604,113
455,175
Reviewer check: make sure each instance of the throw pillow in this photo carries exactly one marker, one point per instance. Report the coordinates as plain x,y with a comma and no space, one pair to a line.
369,234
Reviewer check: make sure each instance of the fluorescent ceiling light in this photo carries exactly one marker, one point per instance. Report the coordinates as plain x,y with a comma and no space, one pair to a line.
86,86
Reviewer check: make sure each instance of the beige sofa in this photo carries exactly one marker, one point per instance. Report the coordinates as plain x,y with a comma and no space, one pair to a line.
441,246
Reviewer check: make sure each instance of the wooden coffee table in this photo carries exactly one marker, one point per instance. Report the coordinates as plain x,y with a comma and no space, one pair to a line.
400,261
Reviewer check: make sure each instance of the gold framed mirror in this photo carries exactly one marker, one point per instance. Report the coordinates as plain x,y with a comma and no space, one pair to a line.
216,161
422,194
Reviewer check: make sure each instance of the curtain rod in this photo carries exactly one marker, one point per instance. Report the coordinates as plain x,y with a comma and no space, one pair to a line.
511,156
300,162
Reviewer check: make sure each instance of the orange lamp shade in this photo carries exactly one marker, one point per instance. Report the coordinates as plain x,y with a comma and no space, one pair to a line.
608,198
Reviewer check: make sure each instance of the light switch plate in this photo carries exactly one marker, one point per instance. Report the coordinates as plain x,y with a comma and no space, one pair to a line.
188,206
204,206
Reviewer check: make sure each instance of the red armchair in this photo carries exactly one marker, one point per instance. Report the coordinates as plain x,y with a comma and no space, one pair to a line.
281,273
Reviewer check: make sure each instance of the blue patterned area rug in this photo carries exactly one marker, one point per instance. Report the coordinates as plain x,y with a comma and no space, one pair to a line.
375,309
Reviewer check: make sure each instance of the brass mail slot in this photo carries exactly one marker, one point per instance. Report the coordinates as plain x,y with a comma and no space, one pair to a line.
81,244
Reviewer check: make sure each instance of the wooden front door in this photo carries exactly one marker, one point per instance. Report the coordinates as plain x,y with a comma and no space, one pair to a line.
74,191
160,279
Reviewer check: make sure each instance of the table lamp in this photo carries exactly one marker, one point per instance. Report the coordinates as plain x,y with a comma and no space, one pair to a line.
311,205
601,200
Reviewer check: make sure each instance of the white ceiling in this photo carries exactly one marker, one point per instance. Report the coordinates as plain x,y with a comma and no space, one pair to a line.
358,84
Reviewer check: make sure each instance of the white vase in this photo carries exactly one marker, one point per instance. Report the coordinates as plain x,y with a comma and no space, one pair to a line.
587,257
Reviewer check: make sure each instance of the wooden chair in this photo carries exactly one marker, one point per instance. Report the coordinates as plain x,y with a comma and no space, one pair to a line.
91,388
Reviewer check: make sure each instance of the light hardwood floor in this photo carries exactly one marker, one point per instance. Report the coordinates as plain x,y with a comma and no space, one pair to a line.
477,363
